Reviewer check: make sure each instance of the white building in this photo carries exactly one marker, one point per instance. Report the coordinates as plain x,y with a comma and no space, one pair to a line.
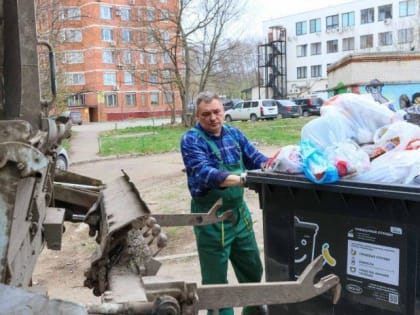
316,39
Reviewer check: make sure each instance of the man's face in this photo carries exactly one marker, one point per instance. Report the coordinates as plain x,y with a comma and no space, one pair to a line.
211,116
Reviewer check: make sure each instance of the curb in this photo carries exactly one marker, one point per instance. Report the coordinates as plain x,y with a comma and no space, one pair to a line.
106,158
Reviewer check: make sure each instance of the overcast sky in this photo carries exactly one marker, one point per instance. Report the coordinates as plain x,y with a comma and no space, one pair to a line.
258,11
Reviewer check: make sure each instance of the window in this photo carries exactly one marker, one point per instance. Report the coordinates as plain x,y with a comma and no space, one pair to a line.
153,78
168,97
405,35
366,41
124,14
166,75
108,56
384,12
72,57
407,8
301,50
143,99
150,36
152,58
166,57
74,78
106,12
141,58
154,98
150,14
72,35
347,19
127,57
332,46
70,13
164,15
128,78
126,35
301,72
316,49
301,28
107,35
332,21
385,39
76,100
316,71
348,43
111,99
367,16
143,76
130,99
165,36
110,78
315,25
139,14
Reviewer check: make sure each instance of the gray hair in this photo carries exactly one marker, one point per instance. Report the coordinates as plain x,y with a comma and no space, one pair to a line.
206,97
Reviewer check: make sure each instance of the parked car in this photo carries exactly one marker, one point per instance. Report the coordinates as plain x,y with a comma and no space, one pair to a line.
253,110
288,109
62,161
310,105
74,117
230,103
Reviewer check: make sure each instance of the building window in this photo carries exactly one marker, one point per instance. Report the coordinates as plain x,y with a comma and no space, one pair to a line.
168,97
74,78
332,21
366,41
332,46
106,12
111,99
128,78
301,50
315,25
347,19
107,34
164,15
130,99
124,14
315,49
126,35
141,58
127,57
152,58
301,72
150,15
139,14
76,100
143,76
407,8
385,39
405,35
108,56
367,16
385,12
154,98
166,57
166,75
301,28
110,78
71,13
165,37
150,36
348,43
143,99
316,71
72,57
72,35
153,78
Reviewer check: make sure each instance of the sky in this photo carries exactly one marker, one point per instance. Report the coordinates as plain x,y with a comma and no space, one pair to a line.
258,11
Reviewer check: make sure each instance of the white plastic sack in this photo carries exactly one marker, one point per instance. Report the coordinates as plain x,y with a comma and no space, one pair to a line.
287,160
404,131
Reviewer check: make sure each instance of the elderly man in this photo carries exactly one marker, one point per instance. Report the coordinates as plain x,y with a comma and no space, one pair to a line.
215,157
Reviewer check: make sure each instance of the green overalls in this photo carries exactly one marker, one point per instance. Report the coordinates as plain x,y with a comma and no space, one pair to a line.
219,242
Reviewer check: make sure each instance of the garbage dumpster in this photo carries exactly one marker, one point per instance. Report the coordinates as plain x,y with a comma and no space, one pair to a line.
368,234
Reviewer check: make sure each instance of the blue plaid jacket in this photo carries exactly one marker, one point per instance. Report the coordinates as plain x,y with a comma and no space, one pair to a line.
201,162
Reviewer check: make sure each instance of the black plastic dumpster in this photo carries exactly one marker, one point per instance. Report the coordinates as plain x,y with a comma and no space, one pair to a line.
368,234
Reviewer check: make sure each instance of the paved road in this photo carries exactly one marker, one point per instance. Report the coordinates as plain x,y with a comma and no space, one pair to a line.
84,145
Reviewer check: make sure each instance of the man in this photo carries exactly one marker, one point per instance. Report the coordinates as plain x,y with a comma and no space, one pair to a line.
215,156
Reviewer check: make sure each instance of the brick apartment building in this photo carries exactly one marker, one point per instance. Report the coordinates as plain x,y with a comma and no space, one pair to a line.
111,56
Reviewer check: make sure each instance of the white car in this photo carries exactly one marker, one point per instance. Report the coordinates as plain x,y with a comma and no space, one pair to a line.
253,110
62,161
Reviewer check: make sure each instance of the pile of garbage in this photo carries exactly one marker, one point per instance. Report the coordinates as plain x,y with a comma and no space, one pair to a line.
355,137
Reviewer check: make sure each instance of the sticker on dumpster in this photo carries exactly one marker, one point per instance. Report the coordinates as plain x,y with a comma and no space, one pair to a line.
373,262
306,233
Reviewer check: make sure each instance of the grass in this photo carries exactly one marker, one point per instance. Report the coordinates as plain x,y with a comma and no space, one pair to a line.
152,139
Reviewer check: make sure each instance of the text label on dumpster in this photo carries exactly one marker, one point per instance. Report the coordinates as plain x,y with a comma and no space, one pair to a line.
373,262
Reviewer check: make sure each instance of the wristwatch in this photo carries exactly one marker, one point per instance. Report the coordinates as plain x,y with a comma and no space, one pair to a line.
243,178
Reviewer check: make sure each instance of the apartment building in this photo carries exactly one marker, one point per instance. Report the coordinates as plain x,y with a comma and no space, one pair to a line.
301,47
111,56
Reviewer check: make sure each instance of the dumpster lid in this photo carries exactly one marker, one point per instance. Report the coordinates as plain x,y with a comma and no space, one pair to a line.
392,191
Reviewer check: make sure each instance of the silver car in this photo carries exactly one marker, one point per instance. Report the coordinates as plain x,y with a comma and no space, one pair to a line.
62,162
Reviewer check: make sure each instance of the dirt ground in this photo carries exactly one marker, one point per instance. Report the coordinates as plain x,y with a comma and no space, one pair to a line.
162,185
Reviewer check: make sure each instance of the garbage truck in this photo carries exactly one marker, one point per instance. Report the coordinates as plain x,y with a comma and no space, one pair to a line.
36,199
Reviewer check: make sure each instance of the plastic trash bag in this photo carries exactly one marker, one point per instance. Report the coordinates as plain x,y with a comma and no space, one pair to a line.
287,160
405,132
316,166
